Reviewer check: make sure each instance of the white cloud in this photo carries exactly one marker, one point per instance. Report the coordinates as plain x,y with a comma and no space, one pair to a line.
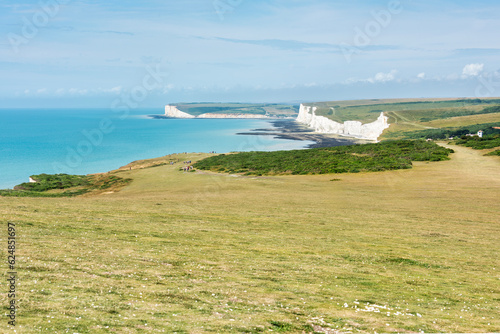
75,91
472,70
421,75
380,77
384,77
116,90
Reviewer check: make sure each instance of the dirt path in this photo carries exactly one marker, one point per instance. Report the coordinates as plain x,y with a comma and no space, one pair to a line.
474,163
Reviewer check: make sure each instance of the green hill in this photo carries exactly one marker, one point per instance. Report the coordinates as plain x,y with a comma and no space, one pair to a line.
404,250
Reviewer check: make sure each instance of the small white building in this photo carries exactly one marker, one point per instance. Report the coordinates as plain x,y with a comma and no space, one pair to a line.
480,133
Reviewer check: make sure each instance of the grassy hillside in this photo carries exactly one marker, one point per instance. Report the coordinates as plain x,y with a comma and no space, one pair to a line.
452,132
396,251
196,109
407,114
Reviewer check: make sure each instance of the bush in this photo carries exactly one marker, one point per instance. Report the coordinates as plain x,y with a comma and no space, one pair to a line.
76,185
387,155
477,143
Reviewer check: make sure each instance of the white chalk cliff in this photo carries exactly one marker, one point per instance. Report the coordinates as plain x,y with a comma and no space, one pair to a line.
369,131
172,111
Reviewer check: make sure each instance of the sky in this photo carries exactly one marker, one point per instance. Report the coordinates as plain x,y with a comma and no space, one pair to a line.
86,53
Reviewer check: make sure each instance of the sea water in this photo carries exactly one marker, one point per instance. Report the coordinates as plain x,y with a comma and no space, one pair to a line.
85,141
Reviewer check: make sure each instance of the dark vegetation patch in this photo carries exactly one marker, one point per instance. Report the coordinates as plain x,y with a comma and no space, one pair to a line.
457,112
445,133
382,156
494,153
64,185
477,143
282,326
410,262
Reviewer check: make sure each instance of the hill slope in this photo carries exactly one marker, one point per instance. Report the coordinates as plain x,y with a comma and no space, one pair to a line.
407,250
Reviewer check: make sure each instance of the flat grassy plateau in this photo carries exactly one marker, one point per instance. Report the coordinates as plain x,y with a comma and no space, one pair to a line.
201,252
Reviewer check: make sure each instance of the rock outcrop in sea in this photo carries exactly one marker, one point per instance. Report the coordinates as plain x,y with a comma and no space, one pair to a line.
356,129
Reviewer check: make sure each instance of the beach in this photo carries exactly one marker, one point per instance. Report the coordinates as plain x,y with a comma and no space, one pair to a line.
290,129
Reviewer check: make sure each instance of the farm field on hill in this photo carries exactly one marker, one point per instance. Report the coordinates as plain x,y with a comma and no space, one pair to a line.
199,252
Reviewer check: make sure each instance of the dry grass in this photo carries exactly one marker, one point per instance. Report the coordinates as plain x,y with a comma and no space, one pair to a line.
464,120
203,252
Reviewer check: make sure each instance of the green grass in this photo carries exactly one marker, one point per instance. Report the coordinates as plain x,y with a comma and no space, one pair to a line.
343,159
405,110
447,132
395,251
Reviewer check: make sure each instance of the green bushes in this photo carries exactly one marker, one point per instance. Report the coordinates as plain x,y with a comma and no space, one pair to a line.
49,182
477,143
388,155
46,184
494,153
446,133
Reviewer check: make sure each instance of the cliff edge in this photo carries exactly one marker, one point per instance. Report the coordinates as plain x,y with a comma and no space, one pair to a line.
356,129
172,111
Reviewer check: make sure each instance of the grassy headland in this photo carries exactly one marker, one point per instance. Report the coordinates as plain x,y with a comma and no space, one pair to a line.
271,109
63,185
395,251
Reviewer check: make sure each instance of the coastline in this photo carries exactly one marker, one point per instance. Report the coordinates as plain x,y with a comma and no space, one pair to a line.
273,129
290,129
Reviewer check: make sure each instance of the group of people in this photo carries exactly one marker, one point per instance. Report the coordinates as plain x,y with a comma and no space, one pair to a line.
187,168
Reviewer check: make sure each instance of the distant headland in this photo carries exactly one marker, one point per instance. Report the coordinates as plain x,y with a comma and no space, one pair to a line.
359,119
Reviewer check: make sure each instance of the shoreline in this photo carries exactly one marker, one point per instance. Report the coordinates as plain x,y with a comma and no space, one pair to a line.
290,129
287,129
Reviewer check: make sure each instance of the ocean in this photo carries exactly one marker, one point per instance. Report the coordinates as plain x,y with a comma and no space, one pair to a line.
85,141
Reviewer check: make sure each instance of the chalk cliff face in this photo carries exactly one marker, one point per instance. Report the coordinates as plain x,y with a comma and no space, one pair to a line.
213,115
370,131
172,111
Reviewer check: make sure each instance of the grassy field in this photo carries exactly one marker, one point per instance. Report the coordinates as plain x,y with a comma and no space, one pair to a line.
199,252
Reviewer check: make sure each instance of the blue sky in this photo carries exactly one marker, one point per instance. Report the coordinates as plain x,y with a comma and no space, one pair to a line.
70,53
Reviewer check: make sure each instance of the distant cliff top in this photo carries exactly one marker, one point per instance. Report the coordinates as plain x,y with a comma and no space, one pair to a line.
407,110
272,110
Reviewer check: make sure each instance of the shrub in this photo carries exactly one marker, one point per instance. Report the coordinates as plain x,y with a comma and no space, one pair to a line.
342,159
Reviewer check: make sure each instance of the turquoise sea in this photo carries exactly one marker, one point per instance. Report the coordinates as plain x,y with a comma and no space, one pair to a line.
84,141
